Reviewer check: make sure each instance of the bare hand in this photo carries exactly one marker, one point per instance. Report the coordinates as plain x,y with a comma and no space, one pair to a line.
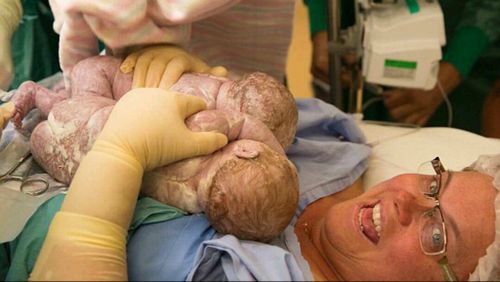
412,105
416,106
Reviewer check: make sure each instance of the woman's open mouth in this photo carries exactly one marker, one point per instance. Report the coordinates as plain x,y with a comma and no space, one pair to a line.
370,223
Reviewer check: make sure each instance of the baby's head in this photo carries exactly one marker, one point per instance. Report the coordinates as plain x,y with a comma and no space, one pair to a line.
264,98
253,193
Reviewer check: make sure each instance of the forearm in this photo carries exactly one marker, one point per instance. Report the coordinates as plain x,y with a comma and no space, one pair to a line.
476,30
82,248
464,49
449,77
87,238
317,15
106,187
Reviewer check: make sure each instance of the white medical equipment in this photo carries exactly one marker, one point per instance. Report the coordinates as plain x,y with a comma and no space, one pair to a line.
402,44
398,41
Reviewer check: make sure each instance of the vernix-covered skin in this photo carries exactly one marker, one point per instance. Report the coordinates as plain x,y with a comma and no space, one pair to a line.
239,109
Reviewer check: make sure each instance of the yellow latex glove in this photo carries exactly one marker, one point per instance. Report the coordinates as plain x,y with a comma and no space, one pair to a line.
161,66
83,248
6,112
144,130
10,15
147,124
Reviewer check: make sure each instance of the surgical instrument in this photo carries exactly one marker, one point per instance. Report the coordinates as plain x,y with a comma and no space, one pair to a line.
31,185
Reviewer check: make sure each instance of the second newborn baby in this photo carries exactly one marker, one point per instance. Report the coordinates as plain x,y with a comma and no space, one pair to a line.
249,188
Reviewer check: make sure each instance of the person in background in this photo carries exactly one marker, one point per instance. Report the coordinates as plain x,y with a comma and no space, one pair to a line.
206,29
491,112
10,15
32,51
466,74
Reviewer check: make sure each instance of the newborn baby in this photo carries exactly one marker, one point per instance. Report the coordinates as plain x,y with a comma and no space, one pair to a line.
248,189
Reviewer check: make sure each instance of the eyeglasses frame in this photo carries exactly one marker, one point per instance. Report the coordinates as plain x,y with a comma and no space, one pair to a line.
448,272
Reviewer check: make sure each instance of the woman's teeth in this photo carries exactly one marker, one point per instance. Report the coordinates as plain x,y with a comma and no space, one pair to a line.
375,219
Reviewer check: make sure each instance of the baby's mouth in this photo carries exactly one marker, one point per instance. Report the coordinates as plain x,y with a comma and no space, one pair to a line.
369,222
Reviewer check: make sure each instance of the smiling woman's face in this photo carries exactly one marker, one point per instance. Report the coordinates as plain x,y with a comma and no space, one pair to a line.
360,249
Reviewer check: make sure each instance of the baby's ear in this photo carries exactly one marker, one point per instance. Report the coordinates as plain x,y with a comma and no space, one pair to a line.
246,152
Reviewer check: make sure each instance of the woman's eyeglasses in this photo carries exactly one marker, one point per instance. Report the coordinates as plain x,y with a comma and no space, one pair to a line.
433,235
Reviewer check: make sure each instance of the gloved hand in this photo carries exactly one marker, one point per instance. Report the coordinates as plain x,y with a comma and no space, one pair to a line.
10,15
161,66
417,106
6,112
158,116
144,130
124,23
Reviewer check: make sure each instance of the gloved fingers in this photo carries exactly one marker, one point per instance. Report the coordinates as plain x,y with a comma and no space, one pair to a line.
189,104
141,70
198,65
218,71
129,63
204,143
155,72
175,68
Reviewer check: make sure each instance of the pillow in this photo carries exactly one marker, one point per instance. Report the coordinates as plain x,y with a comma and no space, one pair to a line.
397,150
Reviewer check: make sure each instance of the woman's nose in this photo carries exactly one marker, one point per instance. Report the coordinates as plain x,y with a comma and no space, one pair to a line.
409,207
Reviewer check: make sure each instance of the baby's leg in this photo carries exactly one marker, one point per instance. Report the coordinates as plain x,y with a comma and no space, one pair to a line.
59,143
30,95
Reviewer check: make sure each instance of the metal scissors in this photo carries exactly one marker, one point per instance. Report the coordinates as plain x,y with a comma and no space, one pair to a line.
31,185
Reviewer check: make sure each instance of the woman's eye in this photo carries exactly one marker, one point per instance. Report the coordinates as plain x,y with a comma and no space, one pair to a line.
433,187
437,237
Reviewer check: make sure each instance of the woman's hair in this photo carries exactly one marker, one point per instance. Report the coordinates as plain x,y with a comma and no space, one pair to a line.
488,268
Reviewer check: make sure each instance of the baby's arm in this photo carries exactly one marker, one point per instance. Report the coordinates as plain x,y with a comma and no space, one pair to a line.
235,126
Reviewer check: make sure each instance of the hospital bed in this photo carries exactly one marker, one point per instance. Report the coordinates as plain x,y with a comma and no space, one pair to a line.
388,151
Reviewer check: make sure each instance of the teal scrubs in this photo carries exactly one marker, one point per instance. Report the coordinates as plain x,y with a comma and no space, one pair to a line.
18,257
473,47
34,44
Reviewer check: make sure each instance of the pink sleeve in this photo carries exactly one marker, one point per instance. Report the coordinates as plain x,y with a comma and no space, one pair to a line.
77,42
123,23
